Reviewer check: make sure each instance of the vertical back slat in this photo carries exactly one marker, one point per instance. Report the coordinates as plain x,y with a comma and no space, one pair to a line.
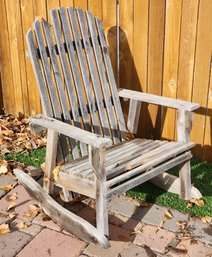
67,74
59,81
102,76
111,79
84,71
38,74
93,72
74,67
63,151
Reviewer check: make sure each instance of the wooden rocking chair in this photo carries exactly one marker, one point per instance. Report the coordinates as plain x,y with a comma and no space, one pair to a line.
86,126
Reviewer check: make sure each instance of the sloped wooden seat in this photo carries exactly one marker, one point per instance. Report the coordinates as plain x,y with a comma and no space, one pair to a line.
86,126
137,159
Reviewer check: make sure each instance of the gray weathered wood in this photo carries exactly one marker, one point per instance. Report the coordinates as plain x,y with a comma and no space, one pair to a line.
146,162
102,77
84,71
38,74
71,131
184,125
112,83
123,187
50,163
75,70
93,73
133,115
68,80
69,221
159,100
97,162
171,183
63,151
76,184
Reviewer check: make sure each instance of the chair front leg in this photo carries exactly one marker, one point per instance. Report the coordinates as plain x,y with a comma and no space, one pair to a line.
97,161
51,153
185,119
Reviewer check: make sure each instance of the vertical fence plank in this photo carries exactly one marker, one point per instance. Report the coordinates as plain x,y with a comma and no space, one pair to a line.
140,48
95,7
155,63
187,48
126,43
6,73
39,9
81,4
52,4
11,10
202,73
27,20
1,96
109,21
66,3
207,150
170,67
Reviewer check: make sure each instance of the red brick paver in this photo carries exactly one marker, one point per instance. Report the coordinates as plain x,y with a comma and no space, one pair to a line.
51,243
22,202
157,239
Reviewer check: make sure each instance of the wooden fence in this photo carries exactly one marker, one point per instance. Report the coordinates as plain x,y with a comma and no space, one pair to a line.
161,47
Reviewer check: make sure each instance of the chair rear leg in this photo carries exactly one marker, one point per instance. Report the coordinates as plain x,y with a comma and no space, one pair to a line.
51,152
185,179
101,208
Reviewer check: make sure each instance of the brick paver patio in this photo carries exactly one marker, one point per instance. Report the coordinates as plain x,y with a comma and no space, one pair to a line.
134,231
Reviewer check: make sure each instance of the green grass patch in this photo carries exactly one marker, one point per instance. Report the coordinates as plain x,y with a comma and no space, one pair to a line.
34,158
201,178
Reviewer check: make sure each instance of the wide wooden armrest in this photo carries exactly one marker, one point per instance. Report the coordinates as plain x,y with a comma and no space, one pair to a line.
71,131
159,100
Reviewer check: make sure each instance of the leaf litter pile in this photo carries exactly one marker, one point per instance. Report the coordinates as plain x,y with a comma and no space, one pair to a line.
15,137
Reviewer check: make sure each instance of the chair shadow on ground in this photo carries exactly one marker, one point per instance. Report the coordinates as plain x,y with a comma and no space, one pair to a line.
121,228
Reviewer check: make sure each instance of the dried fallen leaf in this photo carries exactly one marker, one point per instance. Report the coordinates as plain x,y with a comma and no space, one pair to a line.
4,229
198,202
11,205
23,225
11,197
33,211
56,171
4,168
168,215
189,205
206,219
43,166
8,187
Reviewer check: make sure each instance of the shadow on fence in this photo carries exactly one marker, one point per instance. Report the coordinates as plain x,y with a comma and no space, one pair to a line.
149,126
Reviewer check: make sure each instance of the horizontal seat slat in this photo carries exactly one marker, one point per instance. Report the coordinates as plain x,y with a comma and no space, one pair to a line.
129,159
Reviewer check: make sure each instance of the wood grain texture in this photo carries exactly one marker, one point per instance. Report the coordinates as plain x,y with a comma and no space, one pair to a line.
155,68
6,74
187,48
81,4
202,73
207,150
27,14
109,21
95,7
170,67
12,10
140,54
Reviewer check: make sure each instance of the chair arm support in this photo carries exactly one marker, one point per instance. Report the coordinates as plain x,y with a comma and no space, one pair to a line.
71,131
158,100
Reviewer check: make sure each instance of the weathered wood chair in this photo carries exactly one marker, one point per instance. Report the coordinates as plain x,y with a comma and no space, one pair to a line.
85,122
